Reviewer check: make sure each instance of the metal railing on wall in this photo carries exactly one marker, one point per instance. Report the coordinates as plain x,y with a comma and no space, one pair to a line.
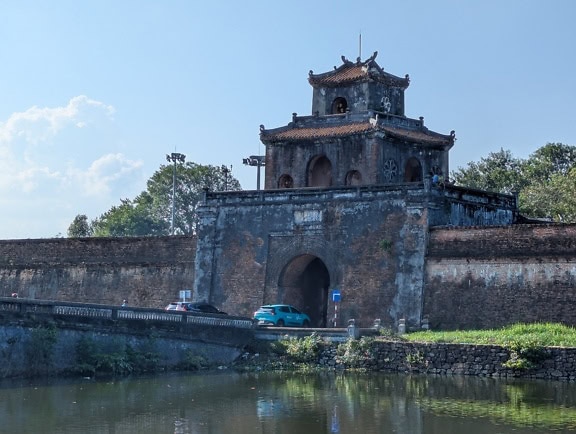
26,306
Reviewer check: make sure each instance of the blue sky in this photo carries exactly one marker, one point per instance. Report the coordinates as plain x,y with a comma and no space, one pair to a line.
94,94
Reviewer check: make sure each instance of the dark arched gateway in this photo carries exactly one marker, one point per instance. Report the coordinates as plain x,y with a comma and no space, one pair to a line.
304,283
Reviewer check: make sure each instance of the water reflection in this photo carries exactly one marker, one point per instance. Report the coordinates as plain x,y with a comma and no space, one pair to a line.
290,403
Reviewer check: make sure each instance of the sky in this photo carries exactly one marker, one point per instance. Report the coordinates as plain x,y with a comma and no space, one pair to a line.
95,93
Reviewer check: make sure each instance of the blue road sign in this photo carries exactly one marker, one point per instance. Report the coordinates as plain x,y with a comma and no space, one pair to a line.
336,297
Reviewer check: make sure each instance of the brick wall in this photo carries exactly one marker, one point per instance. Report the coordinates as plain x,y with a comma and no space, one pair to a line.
475,277
148,272
489,277
249,242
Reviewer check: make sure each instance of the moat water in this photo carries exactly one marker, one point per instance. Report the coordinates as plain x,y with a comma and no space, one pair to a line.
270,403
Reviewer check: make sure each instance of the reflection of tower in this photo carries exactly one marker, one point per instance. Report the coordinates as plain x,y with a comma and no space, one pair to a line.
335,423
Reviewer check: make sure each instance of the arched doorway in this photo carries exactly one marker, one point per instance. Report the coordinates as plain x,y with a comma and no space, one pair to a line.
320,172
339,105
285,181
413,171
353,177
304,284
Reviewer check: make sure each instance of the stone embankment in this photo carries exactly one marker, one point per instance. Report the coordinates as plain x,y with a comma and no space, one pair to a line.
548,363
374,354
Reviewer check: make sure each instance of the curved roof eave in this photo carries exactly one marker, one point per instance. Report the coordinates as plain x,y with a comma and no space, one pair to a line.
292,133
358,72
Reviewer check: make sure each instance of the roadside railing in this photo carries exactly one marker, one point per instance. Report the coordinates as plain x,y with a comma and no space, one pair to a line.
48,307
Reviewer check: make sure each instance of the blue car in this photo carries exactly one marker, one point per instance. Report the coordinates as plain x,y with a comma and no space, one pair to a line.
281,315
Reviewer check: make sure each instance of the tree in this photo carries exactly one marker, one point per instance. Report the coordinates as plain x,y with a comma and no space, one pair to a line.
553,199
79,227
549,160
130,219
150,213
191,181
499,172
545,181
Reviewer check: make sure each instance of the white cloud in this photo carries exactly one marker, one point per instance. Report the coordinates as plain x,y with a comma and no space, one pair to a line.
34,146
29,179
37,125
103,173
56,162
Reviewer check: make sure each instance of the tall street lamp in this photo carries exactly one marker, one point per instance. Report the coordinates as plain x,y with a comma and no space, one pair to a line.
174,157
258,161
226,172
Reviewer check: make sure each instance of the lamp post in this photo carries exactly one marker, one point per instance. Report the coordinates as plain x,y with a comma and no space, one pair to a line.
175,158
226,174
258,161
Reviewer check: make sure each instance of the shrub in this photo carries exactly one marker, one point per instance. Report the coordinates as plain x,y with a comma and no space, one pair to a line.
86,357
40,348
116,364
389,334
416,360
193,362
525,353
116,359
305,349
145,359
355,353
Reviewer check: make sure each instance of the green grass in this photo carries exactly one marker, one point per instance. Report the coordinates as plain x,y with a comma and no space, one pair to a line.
540,334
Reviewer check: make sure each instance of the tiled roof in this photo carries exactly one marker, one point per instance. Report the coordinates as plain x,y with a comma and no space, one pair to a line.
296,133
341,75
350,72
417,136
307,133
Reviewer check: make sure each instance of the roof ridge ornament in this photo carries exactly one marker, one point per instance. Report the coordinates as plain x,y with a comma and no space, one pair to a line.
345,61
372,58
359,62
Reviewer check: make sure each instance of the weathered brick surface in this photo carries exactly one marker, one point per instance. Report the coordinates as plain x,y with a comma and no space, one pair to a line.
249,251
387,264
148,272
489,277
511,240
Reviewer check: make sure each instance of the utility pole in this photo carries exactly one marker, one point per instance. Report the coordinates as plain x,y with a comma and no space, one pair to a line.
174,157
258,161
226,175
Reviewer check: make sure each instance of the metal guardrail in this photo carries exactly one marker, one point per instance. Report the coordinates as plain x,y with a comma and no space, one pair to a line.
81,311
26,306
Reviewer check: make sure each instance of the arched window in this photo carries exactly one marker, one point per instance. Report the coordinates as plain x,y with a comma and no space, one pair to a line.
319,172
285,181
353,177
339,106
413,170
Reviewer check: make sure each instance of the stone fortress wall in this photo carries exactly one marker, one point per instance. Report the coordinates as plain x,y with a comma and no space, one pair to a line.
485,277
474,277
147,272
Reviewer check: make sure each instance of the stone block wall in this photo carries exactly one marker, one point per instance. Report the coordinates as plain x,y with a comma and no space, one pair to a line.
248,242
387,266
455,359
148,272
482,277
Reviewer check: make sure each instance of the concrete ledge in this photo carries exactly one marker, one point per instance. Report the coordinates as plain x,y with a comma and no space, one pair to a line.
268,333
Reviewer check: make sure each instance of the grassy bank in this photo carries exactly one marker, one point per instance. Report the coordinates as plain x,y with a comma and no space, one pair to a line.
538,334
